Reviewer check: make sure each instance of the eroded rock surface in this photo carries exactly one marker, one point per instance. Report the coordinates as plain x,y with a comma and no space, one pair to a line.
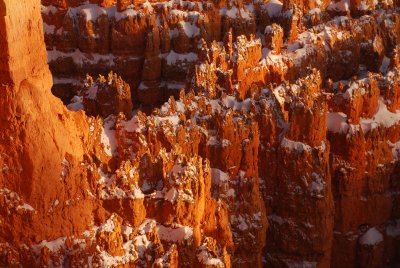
278,143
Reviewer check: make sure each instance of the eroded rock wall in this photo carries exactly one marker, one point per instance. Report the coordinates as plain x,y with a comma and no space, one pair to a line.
42,143
281,149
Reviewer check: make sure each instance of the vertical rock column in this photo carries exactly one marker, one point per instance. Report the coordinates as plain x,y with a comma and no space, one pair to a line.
22,52
41,143
149,89
301,215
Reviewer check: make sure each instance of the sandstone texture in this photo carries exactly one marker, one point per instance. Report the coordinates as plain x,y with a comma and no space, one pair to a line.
199,133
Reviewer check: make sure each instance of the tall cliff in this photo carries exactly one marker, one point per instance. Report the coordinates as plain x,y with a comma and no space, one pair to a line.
228,134
38,136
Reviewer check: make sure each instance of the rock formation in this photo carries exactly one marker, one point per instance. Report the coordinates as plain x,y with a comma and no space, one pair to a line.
228,134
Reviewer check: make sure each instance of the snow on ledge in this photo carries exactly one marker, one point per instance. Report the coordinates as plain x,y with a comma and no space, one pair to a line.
15,200
341,6
172,57
337,122
371,237
108,138
383,117
219,177
175,233
295,145
273,7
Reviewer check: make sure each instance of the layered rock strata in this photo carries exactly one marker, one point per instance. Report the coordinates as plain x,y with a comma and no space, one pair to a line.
282,148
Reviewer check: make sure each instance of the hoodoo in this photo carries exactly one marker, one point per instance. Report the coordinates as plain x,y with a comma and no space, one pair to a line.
199,133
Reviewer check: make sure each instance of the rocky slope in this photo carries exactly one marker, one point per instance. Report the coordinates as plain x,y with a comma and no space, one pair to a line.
230,134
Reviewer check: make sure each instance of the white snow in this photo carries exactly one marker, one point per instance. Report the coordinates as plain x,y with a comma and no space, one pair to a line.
92,12
173,57
46,10
26,207
173,120
48,29
353,89
14,199
132,125
108,226
53,245
341,6
190,29
80,58
383,117
207,260
371,237
127,231
212,141
218,176
317,185
273,7
91,93
280,94
363,6
314,11
235,13
175,233
127,14
337,122
225,143
239,222
233,103
111,192
108,138
295,145
171,195
76,104
64,167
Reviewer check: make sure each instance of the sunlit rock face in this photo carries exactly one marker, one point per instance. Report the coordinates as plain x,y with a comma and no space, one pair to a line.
199,134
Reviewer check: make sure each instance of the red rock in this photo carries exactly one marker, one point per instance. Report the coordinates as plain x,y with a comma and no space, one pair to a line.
274,38
279,153
107,96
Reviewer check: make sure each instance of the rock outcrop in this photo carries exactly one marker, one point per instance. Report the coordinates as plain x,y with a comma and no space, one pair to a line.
42,144
278,142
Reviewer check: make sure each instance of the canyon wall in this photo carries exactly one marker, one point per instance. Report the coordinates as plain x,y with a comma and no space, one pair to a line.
278,145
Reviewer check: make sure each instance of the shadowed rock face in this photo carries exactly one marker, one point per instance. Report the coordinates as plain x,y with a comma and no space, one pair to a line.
278,143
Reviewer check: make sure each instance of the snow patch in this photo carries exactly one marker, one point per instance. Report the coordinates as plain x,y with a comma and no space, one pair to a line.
218,176
173,57
175,233
209,261
26,207
383,117
132,125
273,7
295,145
337,122
108,138
341,6
371,237
190,29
